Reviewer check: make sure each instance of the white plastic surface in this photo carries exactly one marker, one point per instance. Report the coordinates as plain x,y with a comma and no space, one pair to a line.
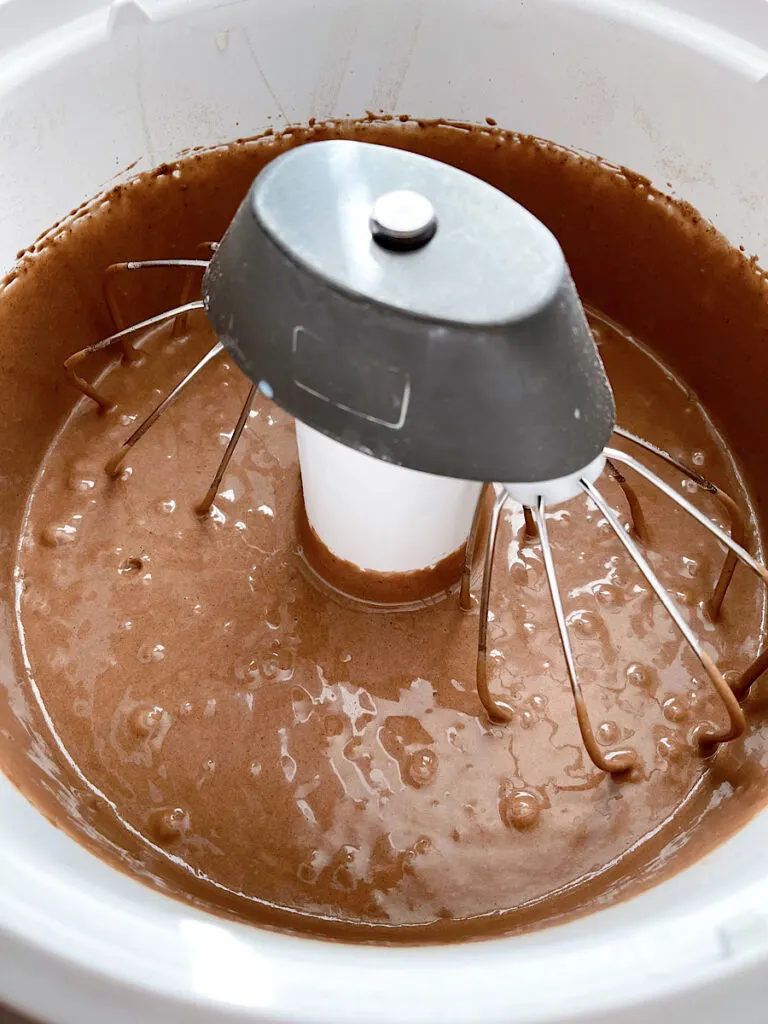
555,492
378,516
677,90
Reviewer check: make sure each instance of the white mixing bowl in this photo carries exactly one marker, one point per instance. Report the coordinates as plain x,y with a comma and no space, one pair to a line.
675,90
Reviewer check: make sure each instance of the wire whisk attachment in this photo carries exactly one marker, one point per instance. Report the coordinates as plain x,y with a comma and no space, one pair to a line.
123,337
632,541
619,467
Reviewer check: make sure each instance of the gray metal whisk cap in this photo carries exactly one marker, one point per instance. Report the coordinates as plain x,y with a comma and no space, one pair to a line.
440,331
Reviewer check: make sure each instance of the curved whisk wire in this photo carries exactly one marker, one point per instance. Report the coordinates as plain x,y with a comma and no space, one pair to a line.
536,527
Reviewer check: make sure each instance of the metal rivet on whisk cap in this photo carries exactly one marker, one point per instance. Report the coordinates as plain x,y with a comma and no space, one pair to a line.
403,220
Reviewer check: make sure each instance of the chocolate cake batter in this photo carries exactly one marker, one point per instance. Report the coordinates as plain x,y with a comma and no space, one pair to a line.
189,699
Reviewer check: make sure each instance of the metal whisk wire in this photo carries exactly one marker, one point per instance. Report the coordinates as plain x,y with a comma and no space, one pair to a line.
615,761
741,553
735,515
114,465
619,761
707,737
123,335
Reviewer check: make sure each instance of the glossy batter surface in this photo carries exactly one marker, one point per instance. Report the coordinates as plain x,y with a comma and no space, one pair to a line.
262,745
